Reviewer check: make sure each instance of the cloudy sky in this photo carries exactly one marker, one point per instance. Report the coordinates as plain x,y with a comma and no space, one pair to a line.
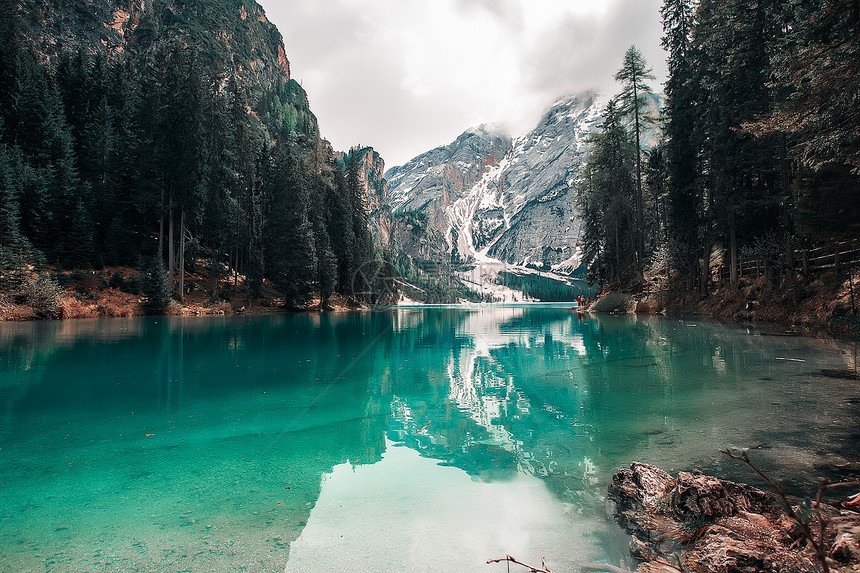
405,76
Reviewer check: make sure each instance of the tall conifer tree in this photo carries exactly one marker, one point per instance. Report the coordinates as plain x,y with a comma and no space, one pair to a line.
633,100
681,133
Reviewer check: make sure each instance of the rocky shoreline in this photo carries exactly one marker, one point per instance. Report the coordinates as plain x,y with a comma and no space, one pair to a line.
114,292
826,302
703,524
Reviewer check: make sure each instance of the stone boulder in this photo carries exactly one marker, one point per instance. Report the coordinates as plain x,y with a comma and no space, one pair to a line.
703,524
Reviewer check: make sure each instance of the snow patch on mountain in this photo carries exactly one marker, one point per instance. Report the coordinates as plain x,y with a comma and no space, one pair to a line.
486,197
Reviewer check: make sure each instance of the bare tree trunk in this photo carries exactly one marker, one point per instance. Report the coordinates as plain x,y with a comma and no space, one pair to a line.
789,259
182,255
706,267
634,247
709,247
236,243
786,185
660,231
733,249
161,227
640,209
171,249
214,273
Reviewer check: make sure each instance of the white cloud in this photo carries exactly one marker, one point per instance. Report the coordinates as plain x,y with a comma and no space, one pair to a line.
407,75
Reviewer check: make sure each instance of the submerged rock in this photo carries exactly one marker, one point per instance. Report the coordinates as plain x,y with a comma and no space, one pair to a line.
704,524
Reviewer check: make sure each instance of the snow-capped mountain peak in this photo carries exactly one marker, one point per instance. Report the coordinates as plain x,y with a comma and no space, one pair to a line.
486,196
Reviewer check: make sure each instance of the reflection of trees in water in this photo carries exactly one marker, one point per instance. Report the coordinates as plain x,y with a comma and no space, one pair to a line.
27,347
675,392
283,399
570,400
235,419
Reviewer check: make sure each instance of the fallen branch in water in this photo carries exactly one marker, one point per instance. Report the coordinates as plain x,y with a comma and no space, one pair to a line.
804,522
825,485
532,569
422,428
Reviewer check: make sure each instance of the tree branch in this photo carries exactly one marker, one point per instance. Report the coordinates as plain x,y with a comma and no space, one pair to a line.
532,569
803,524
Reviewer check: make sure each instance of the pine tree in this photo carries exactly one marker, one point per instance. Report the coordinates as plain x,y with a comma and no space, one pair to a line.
74,85
608,202
742,190
326,262
150,189
115,242
96,169
247,143
681,133
385,289
10,192
815,81
655,180
15,250
79,248
291,251
156,287
340,227
221,205
123,162
45,140
183,155
257,228
10,47
633,101
361,273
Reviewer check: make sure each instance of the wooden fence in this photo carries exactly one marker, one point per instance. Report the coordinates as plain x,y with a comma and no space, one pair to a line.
838,256
831,256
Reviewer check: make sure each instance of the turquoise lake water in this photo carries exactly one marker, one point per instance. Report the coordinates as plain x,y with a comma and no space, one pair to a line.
399,440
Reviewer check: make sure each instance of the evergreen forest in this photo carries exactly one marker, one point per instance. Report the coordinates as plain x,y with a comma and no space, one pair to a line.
754,155
170,162
167,164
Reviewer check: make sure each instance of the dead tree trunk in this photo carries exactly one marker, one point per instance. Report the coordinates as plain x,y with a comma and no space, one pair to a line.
182,255
171,249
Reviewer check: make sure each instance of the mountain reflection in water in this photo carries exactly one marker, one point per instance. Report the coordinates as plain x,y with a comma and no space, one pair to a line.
220,443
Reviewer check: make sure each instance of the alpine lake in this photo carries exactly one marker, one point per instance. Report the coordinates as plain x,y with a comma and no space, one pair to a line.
403,439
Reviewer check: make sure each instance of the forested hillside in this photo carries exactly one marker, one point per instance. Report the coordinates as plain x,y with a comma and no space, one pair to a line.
179,145
759,156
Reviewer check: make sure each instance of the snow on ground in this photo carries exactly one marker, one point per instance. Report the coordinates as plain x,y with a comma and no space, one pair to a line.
482,280
570,264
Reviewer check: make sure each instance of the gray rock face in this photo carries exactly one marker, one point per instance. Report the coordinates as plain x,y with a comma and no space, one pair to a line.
238,36
439,190
374,189
539,186
486,196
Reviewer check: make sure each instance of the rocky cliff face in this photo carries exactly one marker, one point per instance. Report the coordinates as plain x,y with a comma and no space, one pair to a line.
227,32
434,197
374,188
486,196
232,38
